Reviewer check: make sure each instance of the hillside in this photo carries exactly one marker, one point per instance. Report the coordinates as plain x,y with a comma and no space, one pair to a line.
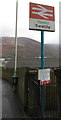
29,52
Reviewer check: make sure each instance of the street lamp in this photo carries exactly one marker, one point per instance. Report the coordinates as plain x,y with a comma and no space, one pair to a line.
15,77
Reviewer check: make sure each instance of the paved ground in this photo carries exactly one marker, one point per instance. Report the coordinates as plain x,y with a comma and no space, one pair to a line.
10,104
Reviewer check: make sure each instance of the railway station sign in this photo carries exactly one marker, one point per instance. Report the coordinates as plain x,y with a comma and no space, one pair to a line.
44,76
41,17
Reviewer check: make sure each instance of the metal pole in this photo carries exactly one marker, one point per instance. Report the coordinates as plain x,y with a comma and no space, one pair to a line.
42,49
16,38
15,77
42,86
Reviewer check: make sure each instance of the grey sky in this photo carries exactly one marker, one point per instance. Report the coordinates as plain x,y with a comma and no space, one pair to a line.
7,22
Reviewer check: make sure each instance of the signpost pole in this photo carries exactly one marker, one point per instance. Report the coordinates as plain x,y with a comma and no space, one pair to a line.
42,86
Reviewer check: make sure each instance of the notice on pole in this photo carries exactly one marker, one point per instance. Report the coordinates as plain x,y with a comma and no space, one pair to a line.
44,76
41,17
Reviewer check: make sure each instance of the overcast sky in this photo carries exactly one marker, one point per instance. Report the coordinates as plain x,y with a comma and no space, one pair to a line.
7,21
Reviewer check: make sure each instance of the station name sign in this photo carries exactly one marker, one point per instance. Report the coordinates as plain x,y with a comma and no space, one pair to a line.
41,17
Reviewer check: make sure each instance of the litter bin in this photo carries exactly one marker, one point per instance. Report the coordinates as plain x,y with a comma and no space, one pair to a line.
15,82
